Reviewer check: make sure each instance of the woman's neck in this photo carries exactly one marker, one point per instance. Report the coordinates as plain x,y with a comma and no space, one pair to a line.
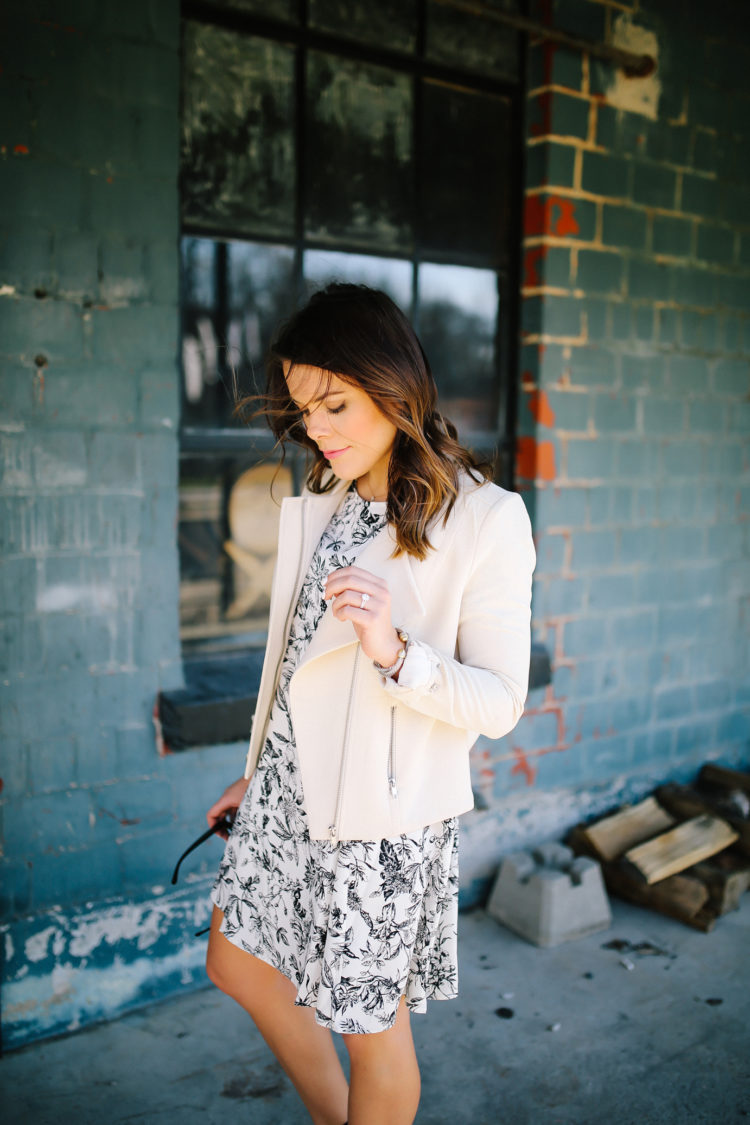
371,490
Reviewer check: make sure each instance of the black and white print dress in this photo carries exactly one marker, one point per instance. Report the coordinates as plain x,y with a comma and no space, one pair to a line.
354,925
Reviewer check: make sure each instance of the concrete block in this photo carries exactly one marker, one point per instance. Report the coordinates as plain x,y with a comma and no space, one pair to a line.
688,373
654,185
569,116
122,276
52,764
733,291
670,143
647,280
73,877
672,236
549,897
593,550
560,316
599,271
731,377
667,325
30,326
553,65
620,320
593,366
634,630
26,259
700,195
715,243
695,287
590,459
644,323
663,415
708,417
59,460
90,392
624,226
614,413
15,887
536,730
607,175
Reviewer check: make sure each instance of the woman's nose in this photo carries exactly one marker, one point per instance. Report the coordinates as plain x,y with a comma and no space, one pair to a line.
315,423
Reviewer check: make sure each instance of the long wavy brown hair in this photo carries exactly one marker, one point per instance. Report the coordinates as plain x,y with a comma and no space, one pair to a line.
361,335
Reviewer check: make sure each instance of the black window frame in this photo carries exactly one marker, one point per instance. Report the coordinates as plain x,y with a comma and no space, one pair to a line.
210,710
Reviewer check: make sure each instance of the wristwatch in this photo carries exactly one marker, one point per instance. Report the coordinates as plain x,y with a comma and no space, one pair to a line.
403,636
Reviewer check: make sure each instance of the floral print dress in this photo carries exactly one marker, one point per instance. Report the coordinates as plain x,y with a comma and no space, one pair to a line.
355,925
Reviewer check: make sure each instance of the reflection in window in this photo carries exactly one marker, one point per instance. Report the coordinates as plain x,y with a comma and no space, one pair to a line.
228,526
389,23
466,137
237,170
457,326
475,41
359,172
391,275
234,296
286,10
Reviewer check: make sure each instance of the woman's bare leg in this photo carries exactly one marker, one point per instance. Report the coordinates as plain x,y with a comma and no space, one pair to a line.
385,1084
304,1049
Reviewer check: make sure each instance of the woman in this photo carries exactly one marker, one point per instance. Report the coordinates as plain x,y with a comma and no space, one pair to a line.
399,631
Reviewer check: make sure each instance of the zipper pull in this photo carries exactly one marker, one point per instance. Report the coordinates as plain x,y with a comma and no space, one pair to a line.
392,786
332,830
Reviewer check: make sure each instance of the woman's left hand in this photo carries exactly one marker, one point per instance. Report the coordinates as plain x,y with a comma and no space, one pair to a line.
372,622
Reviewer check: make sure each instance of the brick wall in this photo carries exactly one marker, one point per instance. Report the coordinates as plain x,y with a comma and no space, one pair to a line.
635,409
633,457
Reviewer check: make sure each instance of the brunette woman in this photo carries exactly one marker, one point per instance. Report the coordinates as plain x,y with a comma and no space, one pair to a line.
399,631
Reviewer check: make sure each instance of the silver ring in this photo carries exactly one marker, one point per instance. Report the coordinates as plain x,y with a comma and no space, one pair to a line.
365,600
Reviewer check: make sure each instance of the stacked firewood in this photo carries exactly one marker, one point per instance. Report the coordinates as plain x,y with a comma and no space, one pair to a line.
684,851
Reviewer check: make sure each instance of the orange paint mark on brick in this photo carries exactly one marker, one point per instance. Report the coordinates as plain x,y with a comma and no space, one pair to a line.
531,260
551,214
523,766
110,179
21,150
535,460
527,381
541,411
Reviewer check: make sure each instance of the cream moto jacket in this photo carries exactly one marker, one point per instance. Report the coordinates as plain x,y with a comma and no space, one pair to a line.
378,759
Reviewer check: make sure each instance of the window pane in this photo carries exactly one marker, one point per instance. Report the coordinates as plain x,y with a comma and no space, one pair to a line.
286,10
235,294
228,527
358,162
457,37
237,171
260,297
391,275
466,167
458,309
389,23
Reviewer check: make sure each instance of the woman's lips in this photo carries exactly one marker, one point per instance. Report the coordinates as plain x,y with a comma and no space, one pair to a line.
329,454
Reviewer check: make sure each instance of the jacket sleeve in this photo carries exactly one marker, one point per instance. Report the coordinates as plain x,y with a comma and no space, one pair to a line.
484,690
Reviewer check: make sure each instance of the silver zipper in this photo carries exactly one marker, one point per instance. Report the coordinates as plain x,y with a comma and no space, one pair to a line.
392,756
287,623
333,828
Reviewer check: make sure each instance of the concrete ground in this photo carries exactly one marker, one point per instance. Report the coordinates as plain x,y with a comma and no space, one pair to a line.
589,1035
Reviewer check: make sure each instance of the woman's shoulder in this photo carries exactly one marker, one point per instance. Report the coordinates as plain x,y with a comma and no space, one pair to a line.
479,498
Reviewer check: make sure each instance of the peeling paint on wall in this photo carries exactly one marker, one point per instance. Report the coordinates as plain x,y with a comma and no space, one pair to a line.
638,95
65,971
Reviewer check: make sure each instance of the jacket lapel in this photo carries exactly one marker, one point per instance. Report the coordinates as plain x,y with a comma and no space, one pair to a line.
406,603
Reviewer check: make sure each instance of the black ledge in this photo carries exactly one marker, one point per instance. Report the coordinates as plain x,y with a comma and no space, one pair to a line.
219,698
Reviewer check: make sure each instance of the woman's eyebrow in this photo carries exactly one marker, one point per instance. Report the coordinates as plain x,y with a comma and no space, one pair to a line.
319,398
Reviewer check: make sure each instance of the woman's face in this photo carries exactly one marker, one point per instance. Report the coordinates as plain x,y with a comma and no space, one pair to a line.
344,422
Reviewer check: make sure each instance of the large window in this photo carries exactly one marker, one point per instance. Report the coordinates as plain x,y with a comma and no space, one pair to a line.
332,139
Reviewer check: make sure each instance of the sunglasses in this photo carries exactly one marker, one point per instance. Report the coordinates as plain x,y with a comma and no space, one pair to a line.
223,824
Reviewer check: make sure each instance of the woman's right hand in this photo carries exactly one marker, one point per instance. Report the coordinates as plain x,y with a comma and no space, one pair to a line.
228,802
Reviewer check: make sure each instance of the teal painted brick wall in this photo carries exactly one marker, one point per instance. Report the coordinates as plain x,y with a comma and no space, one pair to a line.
88,449
635,408
632,454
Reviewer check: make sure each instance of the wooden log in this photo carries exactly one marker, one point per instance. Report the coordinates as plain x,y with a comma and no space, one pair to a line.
721,776
683,801
610,837
680,896
681,847
726,877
